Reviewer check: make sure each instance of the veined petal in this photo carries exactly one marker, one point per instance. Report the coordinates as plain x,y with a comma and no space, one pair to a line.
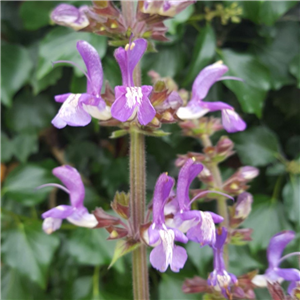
206,78
70,16
192,111
71,113
163,188
231,121
51,224
94,68
289,274
158,258
146,111
179,258
187,219
187,174
276,246
82,218
72,180
58,212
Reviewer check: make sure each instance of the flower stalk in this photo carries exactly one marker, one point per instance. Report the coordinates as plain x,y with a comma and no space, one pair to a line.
221,201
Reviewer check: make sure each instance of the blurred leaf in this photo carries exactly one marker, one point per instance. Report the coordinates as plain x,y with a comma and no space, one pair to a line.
269,216
78,85
179,19
293,146
256,146
33,252
7,148
200,256
82,288
30,114
265,12
294,68
167,62
15,70
252,92
24,145
291,194
89,246
274,55
276,169
118,133
20,185
203,53
112,71
36,14
170,288
60,44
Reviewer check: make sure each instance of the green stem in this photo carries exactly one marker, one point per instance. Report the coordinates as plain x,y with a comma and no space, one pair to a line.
221,201
96,277
137,210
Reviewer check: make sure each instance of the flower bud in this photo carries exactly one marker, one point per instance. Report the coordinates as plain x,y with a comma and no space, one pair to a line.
247,173
241,237
104,219
120,205
206,176
240,211
116,232
224,147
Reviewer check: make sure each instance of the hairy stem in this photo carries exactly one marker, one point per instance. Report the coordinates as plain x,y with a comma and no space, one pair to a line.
221,201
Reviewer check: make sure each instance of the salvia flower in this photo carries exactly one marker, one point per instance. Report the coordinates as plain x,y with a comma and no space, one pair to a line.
198,225
75,213
220,279
275,274
77,109
160,236
131,99
70,16
197,108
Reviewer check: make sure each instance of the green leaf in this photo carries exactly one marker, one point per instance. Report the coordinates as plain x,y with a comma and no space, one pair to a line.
30,114
122,247
257,146
15,70
274,55
25,145
294,68
269,216
252,92
89,246
290,194
36,14
170,288
60,44
20,185
265,12
31,255
82,288
118,133
7,148
179,19
203,53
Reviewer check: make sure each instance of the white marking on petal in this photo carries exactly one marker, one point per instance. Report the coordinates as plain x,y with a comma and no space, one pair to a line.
134,96
208,227
51,224
260,281
96,113
190,113
167,237
84,220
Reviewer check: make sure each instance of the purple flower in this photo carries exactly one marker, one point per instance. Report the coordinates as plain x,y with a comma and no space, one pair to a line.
275,274
70,16
160,236
77,109
198,225
197,108
130,99
220,279
75,213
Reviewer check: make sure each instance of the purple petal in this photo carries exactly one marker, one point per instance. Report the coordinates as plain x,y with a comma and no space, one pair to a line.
215,106
128,58
179,236
71,179
187,174
221,238
82,218
94,68
50,225
158,258
121,109
289,274
215,217
163,187
276,246
206,78
70,16
62,98
153,234
187,219
146,111
71,113
179,258
231,121
58,212
291,287
194,110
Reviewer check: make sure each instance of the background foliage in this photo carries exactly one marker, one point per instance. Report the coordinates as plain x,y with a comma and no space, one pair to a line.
258,40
